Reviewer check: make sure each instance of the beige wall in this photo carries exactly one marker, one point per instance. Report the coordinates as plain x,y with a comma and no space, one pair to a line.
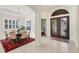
78,26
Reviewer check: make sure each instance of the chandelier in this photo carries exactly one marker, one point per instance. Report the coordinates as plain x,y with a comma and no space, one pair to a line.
19,14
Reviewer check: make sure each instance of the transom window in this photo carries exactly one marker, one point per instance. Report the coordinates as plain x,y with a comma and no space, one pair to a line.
59,12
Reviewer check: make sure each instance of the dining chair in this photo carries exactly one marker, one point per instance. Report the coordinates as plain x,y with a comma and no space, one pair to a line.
12,35
24,35
28,34
6,34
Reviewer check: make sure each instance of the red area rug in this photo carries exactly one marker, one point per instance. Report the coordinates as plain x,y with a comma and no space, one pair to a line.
8,46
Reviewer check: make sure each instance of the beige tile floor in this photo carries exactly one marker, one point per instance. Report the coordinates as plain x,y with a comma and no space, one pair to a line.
54,47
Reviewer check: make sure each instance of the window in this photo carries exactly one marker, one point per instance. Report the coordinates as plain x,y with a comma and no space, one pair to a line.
14,24
10,24
59,12
6,24
28,25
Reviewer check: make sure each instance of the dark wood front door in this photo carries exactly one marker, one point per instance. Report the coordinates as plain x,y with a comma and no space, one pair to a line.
60,27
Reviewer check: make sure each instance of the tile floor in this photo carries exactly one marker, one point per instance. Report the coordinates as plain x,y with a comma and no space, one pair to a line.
54,47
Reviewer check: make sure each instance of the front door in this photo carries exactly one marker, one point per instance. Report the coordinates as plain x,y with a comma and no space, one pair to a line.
60,27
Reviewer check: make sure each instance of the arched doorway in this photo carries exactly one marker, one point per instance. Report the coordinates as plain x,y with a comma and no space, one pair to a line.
60,24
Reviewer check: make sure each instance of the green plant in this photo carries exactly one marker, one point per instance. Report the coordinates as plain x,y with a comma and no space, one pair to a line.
18,31
22,28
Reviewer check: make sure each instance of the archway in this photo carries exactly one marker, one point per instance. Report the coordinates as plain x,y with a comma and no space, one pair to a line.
60,24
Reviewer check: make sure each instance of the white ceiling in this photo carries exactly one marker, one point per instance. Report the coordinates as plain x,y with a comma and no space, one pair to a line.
43,7
14,9
24,9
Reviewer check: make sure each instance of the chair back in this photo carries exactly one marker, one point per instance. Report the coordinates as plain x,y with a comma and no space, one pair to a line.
28,34
12,35
24,35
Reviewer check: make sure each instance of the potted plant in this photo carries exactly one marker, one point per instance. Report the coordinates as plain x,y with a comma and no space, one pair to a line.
22,28
18,31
